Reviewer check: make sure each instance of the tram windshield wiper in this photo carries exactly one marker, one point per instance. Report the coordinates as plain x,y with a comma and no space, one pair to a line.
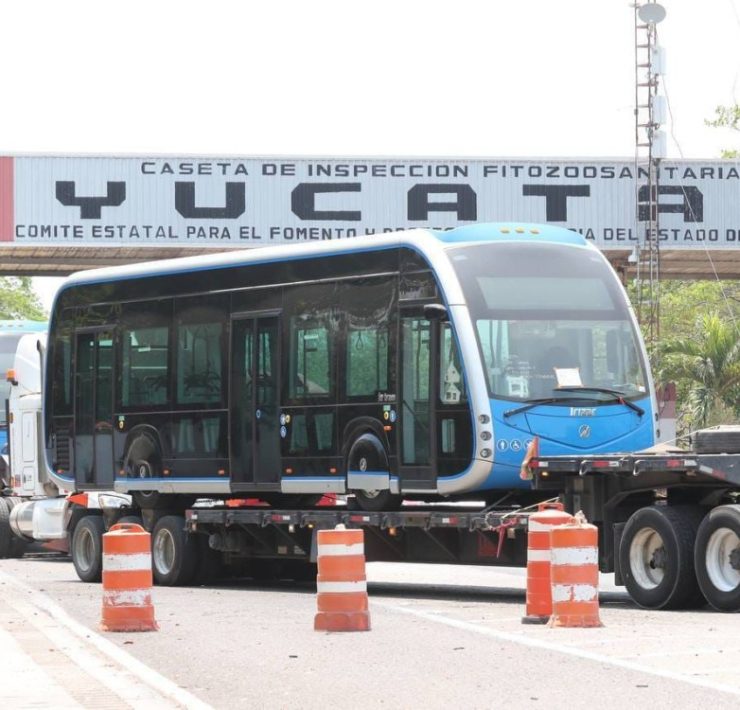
531,404
616,394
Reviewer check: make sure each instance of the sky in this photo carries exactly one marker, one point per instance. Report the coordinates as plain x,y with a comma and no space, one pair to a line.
534,78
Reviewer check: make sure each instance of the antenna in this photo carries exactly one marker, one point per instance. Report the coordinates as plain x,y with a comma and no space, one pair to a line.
650,149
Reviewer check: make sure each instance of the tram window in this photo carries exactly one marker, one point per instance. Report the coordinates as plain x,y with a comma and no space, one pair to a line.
199,363
367,361
324,431
448,436
144,366
310,359
298,435
104,378
61,382
197,436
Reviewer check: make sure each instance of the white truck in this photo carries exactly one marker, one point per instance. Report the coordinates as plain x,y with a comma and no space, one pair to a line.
32,508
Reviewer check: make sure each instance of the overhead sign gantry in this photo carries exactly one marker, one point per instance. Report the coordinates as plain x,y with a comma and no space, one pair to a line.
64,213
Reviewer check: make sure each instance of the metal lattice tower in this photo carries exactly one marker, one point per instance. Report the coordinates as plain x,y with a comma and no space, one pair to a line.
649,149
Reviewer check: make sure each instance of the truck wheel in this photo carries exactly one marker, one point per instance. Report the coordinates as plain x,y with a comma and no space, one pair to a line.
656,556
87,548
717,557
368,454
174,552
6,534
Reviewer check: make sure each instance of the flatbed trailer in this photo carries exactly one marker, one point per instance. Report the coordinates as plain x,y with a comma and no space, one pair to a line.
669,528
415,534
669,522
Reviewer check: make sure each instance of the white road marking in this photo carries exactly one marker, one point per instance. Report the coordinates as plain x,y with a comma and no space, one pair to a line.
556,647
63,634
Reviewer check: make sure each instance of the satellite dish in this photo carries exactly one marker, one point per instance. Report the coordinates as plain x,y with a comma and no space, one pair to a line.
652,13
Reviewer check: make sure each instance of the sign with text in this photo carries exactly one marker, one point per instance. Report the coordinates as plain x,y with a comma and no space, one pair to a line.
130,201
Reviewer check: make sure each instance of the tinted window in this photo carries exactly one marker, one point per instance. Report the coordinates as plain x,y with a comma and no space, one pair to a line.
311,334
199,363
310,358
144,366
367,361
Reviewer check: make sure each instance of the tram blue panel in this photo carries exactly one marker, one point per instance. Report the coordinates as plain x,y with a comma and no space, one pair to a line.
612,428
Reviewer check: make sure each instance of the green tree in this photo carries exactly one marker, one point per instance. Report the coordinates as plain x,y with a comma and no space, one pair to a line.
18,300
727,117
706,365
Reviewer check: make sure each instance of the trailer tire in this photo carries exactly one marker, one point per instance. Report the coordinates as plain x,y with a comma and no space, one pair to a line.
367,453
717,557
6,534
87,548
722,439
174,552
656,556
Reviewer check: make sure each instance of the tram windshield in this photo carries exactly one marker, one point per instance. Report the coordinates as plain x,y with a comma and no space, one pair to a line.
549,316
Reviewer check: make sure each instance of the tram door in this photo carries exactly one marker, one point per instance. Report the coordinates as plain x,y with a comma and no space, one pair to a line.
435,431
417,431
93,408
254,396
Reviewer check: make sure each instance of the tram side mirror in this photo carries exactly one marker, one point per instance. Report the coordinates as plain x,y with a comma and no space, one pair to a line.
612,352
436,311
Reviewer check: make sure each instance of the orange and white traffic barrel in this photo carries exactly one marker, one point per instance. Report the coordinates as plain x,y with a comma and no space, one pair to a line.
127,580
341,583
575,574
539,597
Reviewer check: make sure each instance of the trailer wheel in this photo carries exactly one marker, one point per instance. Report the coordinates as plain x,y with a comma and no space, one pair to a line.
717,557
174,552
87,548
656,556
368,454
6,534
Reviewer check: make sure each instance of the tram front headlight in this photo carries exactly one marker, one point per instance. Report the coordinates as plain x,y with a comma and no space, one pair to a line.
485,453
484,419
485,435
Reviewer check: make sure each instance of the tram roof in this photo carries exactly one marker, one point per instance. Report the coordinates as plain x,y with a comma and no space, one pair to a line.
418,239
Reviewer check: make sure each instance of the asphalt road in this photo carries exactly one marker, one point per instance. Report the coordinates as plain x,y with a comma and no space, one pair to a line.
442,636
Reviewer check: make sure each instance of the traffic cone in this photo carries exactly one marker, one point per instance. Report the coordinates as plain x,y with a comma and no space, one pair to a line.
575,574
127,580
539,596
341,582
